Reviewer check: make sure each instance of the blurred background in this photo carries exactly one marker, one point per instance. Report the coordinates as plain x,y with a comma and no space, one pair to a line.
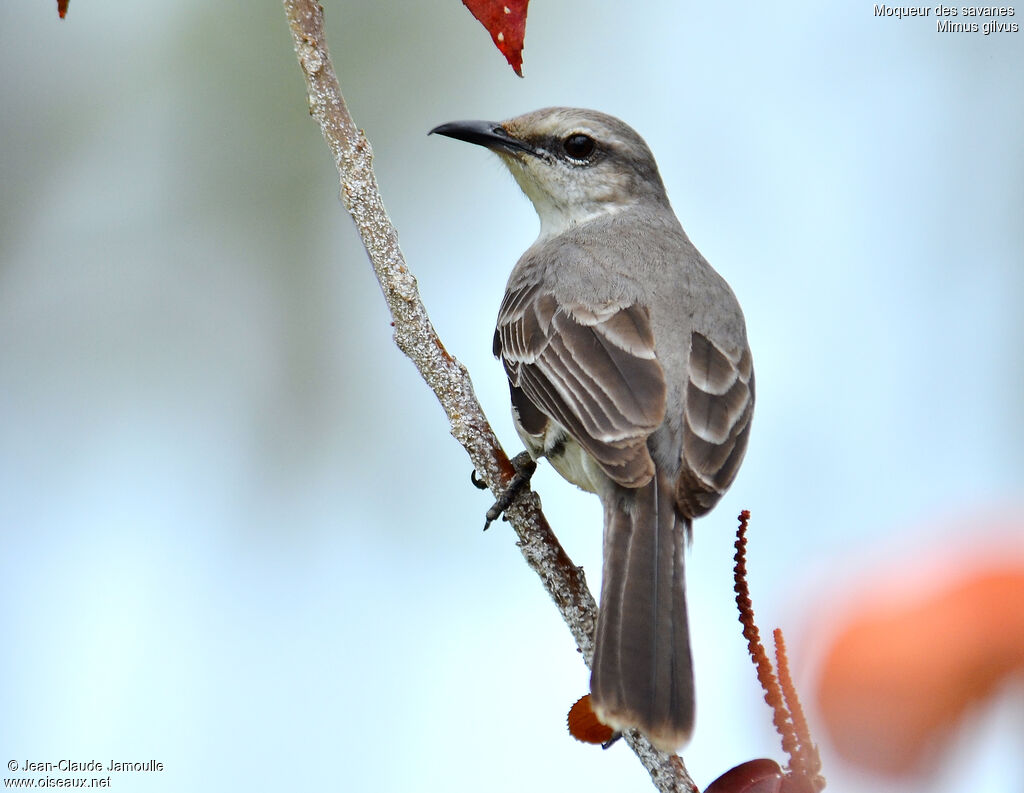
237,537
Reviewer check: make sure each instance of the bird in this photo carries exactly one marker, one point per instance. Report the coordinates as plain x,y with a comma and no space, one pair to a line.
629,370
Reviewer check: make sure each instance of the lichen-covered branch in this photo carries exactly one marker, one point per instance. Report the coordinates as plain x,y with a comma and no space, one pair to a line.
446,377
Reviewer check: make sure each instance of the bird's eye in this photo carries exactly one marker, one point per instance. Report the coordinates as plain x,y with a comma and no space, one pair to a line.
579,146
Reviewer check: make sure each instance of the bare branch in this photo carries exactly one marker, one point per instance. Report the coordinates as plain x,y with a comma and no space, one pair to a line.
447,378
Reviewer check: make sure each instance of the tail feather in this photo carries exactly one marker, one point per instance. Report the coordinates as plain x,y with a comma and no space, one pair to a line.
643,672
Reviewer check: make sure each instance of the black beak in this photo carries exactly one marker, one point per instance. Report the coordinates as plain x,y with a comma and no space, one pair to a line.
483,133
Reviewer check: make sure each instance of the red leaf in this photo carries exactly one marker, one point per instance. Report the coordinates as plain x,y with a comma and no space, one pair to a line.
505,20
62,7
584,725
753,776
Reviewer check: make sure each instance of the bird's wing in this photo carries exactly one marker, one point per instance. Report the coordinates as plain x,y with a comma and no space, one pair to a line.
719,406
592,369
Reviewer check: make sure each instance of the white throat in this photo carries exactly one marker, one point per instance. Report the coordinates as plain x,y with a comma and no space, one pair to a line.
555,220
573,205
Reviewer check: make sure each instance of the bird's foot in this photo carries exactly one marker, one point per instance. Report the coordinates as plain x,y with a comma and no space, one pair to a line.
525,466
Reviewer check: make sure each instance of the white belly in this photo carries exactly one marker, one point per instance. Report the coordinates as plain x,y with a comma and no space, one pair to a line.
567,457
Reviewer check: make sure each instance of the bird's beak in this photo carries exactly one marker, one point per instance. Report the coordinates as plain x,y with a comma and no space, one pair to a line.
483,133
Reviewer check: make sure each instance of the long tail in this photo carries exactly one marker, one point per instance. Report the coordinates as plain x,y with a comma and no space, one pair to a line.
643,672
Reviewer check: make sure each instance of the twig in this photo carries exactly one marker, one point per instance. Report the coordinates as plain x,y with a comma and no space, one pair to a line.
447,378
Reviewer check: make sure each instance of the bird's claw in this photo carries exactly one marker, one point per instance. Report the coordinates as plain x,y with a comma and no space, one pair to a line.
525,466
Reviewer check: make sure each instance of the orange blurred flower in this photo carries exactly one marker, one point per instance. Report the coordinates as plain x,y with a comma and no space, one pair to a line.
900,675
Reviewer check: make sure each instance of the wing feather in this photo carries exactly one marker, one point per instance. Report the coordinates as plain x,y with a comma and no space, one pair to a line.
719,406
592,369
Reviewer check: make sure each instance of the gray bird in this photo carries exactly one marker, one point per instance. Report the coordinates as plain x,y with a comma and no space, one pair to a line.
629,370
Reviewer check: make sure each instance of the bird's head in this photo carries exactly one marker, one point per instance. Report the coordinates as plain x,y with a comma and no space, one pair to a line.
574,165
